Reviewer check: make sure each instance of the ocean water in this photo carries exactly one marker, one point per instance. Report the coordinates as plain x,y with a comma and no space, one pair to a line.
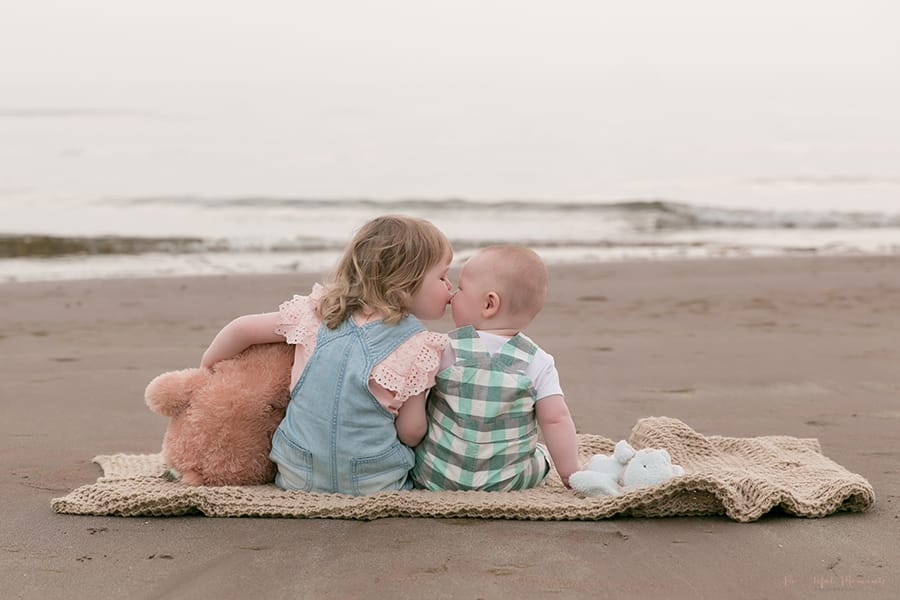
86,195
196,190
196,137
161,236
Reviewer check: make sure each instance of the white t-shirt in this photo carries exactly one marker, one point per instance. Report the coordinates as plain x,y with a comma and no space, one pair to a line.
541,370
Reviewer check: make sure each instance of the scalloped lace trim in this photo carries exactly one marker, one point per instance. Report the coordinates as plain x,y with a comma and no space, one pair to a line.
410,369
299,323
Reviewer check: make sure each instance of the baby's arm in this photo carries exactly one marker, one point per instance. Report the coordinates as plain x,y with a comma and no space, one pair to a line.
240,334
558,429
410,422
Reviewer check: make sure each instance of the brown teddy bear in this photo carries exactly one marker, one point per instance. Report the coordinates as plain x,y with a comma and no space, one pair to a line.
223,419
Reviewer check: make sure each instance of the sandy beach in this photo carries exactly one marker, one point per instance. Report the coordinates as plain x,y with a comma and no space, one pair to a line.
800,346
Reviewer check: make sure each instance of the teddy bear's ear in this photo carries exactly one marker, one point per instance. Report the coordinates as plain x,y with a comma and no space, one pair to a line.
169,394
623,452
666,455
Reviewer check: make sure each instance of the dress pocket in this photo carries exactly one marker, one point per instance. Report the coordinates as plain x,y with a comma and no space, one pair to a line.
382,472
295,463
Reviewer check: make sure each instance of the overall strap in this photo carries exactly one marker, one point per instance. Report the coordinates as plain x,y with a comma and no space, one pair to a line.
517,353
467,344
381,339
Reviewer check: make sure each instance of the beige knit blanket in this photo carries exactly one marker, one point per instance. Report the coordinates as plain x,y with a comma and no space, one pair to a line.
742,478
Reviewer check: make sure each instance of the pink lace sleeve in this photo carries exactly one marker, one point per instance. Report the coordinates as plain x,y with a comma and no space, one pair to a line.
410,369
298,321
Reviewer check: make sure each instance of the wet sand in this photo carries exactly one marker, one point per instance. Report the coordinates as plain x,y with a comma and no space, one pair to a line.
741,347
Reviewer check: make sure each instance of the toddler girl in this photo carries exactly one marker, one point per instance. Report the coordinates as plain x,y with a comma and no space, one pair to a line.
363,361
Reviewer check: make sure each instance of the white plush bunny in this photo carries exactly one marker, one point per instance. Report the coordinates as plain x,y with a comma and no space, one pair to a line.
626,468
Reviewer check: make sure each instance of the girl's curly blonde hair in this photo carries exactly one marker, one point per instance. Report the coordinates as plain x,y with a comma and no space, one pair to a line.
382,268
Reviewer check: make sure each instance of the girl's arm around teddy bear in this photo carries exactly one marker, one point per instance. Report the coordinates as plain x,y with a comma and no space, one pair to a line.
239,335
558,429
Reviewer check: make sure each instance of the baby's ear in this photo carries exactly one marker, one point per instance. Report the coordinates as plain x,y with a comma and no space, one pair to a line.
491,304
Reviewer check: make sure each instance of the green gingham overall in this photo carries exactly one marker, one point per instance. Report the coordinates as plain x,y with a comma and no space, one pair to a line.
482,429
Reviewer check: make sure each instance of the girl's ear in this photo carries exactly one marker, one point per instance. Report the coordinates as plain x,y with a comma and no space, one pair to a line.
491,305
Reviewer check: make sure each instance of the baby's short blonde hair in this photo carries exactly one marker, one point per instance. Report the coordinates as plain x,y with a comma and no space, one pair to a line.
382,268
520,278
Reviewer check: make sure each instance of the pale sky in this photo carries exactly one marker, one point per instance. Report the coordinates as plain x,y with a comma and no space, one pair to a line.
109,43
514,96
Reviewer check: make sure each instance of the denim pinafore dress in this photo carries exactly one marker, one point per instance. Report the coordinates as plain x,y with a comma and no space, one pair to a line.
335,436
